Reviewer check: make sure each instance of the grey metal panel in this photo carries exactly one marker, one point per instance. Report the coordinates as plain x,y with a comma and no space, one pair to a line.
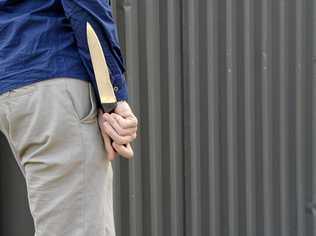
213,151
313,86
154,164
250,198
300,114
225,95
284,132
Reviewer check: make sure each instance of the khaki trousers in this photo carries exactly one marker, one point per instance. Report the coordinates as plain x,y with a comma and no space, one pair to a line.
52,129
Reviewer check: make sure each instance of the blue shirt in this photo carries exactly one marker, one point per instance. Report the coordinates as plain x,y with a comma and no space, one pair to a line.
41,40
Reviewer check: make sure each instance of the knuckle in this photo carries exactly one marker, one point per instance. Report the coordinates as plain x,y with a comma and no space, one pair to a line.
121,122
126,133
124,123
115,139
104,130
106,127
120,141
109,121
121,131
112,121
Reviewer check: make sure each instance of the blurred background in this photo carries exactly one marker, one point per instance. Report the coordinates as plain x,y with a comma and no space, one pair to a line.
225,93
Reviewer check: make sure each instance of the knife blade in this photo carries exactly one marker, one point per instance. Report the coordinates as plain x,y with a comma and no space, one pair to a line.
101,71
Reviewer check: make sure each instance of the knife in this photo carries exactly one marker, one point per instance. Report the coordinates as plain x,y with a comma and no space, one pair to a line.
101,71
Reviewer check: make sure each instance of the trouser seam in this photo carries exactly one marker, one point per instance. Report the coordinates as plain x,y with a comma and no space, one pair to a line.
83,177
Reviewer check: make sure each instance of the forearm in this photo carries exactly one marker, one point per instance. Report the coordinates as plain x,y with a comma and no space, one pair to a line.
99,14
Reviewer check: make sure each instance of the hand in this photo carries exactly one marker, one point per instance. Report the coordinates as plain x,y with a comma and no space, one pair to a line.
121,125
111,147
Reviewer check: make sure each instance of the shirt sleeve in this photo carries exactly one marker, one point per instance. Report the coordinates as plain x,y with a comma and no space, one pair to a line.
99,15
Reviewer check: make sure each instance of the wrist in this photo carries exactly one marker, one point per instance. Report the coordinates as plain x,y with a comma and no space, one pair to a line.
121,101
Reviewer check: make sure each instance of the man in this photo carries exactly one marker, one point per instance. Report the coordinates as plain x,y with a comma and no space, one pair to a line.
51,116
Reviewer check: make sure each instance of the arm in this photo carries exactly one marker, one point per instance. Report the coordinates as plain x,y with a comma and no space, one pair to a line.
121,125
99,14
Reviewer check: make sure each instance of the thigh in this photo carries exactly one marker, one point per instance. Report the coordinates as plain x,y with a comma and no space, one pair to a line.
4,123
4,110
59,145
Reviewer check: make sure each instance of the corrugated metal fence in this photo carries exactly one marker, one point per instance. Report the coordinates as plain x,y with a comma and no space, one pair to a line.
226,97
225,93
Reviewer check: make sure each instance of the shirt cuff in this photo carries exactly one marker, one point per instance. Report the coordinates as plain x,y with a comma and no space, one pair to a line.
120,87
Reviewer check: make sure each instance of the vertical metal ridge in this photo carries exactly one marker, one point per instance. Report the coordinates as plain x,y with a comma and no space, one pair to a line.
194,137
284,124
145,122
250,119
267,118
213,132
191,101
314,117
154,113
121,200
300,109
232,119
175,113
132,65
186,122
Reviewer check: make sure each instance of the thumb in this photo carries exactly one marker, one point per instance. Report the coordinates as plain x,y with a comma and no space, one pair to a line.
111,154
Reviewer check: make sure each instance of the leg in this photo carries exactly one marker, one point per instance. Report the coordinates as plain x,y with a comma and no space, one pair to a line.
56,139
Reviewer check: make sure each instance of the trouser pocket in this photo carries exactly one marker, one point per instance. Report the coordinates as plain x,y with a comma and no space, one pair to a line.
82,100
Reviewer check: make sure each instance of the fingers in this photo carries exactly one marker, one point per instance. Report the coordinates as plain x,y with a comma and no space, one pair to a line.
124,151
125,123
114,121
111,154
121,128
115,136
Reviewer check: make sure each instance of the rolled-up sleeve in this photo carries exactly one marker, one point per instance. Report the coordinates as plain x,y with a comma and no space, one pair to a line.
99,15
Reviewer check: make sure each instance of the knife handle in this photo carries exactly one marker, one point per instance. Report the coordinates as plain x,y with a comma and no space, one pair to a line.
108,107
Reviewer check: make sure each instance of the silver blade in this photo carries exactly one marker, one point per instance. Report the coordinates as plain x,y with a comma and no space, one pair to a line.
101,70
